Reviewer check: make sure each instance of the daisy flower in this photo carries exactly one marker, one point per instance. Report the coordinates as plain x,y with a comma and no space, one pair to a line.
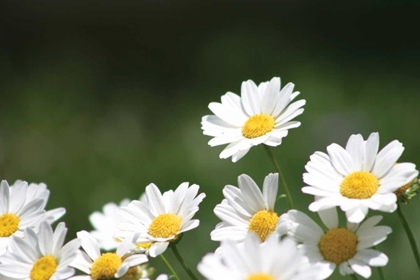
40,256
252,260
160,219
349,248
107,265
358,177
247,209
105,225
262,115
17,212
40,191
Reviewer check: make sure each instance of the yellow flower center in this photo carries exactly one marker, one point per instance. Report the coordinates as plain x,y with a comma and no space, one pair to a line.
338,245
360,185
260,276
9,224
144,246
105,266
165,225
403,189
263,223
44,268
258,125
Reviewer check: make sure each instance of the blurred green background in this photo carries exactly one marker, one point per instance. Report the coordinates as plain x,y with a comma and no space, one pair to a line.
101,98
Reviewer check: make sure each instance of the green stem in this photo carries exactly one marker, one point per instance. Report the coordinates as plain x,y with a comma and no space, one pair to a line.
169,266
277,167
381,273
182,262
409,235
353,276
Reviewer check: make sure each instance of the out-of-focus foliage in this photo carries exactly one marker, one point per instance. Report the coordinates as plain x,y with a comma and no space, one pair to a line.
100,99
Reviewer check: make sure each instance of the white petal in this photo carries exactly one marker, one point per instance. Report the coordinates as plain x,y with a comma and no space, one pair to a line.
158,248
371,149
155,200
240,154
372,257
270,188
387,157
283,100
325,203
340,159
229,233
360,268
4,194
357,214
356,149
329,217
305,228
223,113
235,147
89,244
270,95
251,194
227,214
82,262
345,269
250,98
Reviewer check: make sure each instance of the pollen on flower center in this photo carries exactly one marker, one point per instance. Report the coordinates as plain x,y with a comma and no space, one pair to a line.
338,245
260,276
9,224
105,266
145,245
258,125
43,268
360,185
263,223
165,225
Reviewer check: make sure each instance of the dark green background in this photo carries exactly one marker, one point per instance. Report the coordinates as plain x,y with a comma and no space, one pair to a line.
101,98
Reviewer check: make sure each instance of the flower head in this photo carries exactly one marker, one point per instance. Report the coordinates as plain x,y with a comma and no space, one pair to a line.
107,265
17,212
262,115
253,260
160,219
347,247
247,209
40,256
358,177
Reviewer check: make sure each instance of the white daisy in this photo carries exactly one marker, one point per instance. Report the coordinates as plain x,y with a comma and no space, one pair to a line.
17,212
40,191
105,225
358,177
348,247
107,265
161,218
262,115
40,256
246,209
252,260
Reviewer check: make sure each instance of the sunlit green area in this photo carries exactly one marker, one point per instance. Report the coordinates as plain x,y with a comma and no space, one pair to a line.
99,100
